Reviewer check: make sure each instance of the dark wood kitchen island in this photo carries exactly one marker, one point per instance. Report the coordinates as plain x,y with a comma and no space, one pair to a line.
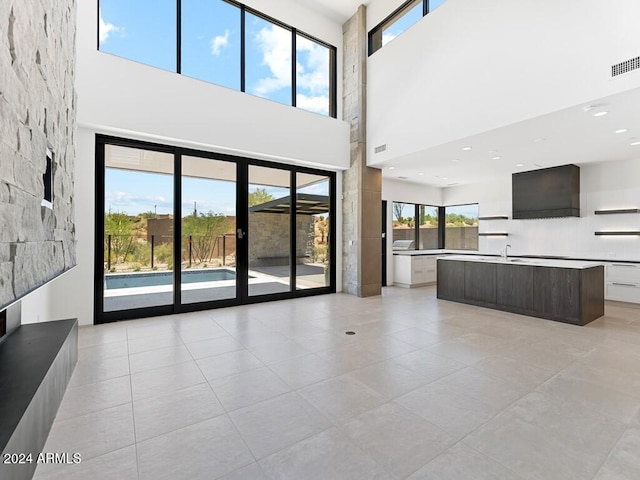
561,290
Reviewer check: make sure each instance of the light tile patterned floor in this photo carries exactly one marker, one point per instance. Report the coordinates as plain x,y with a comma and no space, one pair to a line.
426,389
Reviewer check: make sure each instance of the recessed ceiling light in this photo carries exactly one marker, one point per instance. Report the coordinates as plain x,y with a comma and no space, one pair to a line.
392,168
600,114
539,140
622,130
421,174
497,158
455,160
492,152
519,164
466,149
588,108
445,178
635,143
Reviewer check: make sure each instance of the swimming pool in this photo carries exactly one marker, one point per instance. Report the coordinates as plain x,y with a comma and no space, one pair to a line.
153,279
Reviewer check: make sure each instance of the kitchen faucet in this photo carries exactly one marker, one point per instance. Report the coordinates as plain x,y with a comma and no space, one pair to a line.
506,248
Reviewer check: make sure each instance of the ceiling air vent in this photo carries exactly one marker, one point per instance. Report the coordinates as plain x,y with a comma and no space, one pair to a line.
381,148
403,178
624,67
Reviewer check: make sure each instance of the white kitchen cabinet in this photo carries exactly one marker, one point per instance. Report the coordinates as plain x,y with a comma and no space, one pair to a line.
622,282
414,270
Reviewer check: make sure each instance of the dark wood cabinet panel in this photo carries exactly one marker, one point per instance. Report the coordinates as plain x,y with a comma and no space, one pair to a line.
514,286
556,293
450,280
570,295
592,290
480,282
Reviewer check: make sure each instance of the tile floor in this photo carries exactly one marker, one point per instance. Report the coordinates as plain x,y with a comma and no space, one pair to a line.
426,389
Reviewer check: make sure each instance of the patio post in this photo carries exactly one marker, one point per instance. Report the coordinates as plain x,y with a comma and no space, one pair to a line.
152,255
109,252
224,249
190,249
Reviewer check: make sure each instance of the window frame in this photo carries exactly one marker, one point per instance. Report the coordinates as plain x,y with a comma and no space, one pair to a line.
393,17
416,224
444,225
333,80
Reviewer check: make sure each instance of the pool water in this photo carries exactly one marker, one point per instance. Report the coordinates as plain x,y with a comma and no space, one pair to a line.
154,279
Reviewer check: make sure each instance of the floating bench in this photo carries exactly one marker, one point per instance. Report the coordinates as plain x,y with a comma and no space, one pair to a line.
36,363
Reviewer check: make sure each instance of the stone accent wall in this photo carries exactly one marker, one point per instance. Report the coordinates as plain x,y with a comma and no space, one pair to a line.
362,185
37,110
269,238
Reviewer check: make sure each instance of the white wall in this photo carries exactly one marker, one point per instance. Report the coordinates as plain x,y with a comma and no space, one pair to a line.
125,98
608,185
406,192
473,66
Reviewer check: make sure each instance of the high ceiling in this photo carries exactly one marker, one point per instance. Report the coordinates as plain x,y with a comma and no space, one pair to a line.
573,135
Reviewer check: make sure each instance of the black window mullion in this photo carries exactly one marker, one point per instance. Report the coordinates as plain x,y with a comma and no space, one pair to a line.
294,62
242,230
179,36
333,88
293,253
243,11
177,231
332,233
99,267
416,226
425,7
441,226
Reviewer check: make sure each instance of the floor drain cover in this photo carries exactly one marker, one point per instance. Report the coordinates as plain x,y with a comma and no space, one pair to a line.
350,333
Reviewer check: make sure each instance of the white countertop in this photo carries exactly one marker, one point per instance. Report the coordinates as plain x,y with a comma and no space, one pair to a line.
410,253
535,262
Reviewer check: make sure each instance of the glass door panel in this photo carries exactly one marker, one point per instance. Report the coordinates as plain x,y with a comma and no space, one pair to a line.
138,228
208,216
269,230
312,231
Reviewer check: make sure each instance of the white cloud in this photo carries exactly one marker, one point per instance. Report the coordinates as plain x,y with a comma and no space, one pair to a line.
313,74
275,45
105,29
387,37
219,42
312,68
318,104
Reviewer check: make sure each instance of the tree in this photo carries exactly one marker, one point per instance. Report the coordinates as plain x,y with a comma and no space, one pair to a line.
204,231
397,211
120,227
260,196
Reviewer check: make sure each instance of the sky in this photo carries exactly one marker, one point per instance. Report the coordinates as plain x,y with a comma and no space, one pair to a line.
210,39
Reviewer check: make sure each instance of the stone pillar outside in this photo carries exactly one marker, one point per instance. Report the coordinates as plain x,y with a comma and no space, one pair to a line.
362,185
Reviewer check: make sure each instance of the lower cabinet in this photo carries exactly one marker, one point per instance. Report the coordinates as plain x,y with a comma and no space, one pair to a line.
506,293
480,282
414,270
562,294
623,282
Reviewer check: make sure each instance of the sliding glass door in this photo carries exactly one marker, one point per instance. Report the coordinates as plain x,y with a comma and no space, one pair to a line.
269,232
313,231
137,251
208,230
182,230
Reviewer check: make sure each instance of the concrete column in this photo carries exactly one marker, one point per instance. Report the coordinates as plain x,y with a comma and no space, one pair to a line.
362,185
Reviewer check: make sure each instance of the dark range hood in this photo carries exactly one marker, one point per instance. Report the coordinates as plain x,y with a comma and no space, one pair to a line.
546,193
